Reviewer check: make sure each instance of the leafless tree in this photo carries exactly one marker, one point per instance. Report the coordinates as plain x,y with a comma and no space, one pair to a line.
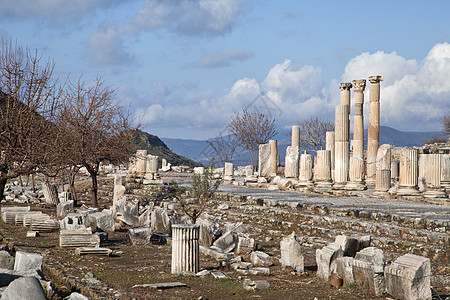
446,124
224,146
313,133
252,129
96,126
29,100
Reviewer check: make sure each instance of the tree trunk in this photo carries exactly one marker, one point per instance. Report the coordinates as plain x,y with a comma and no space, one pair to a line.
93,172
2,187
72,173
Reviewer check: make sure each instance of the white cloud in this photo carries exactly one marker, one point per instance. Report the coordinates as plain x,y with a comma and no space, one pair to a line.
222,58
413,95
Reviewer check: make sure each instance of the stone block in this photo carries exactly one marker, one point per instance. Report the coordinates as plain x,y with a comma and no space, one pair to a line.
64,208
291,253
93,251
348,244
363,242
408,277
128,212
6,260
102,220
139,235
78,238
258,285
215,252
292,162
368,270
326,260
245,244
261,259
73,221
227,242
27,261
160,221
206,232
24,288
344,269
264,160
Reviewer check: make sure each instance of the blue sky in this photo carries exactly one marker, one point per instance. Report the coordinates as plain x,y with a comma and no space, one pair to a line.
184,66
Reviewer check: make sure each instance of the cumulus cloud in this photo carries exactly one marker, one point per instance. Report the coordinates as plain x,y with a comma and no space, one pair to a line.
51,9
199,18
222,58
413,95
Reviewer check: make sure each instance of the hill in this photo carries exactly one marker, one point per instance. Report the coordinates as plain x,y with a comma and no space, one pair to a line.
154,146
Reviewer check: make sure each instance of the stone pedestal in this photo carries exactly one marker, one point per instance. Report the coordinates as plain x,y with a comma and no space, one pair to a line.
432,167
383,175
273,158
408,277
185,248
306,170
292,168
409,173
228,171
264,160
373,134
323,170
329,145
295,138
368,270
342,146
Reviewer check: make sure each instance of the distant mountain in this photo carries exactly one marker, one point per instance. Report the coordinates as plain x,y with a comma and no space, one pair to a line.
199,150
154,146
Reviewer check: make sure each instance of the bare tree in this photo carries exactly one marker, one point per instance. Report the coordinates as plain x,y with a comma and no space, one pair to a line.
224,146
313,133
446,124
252,129
29,100
97,128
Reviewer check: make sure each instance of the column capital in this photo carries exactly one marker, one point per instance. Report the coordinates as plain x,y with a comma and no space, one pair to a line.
345,86
359,85
375,79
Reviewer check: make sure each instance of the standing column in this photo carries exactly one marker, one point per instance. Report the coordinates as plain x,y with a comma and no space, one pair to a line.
373,135
291,161
305,172
433,176
264,160
323,170
342,147
329,145
185,249
445,172
141,162
356,168
273,158
383,176
295,138
409,173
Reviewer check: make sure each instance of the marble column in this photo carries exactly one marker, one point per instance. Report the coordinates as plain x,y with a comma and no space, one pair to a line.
228,171
141,162
185,248
264,160
433,176
394,170
295,137
151,167
342,146
373,135
358,123
273,158
306,170
383,174
291,161
445,172
323,170
329,145
409,173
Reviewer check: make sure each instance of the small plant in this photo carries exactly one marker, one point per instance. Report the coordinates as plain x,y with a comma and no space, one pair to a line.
352,285
203,189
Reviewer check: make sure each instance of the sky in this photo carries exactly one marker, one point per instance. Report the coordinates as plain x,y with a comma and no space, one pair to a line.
182,68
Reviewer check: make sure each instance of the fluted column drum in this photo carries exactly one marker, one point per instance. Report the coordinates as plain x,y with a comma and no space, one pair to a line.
273,157
306,169
433,176
383,169
409,172
330,145
185,248
141,162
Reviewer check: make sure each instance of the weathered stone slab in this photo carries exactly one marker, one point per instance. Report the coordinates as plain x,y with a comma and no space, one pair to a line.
292,162
368,270
6,260
102,220
93,251
27,261
348,244
161,286
44,223
226,242
9,213
261,259
259,285
264,160
73,221
160,220
78,238
291,253
24,288
245,244
344,269
408,277
215,252
139,235
64,208
326,260
128,212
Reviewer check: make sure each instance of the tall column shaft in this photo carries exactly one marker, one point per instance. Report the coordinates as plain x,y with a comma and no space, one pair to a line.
342,146
295,138
373,135
330,145
185,248
323,169
273,157
358,123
